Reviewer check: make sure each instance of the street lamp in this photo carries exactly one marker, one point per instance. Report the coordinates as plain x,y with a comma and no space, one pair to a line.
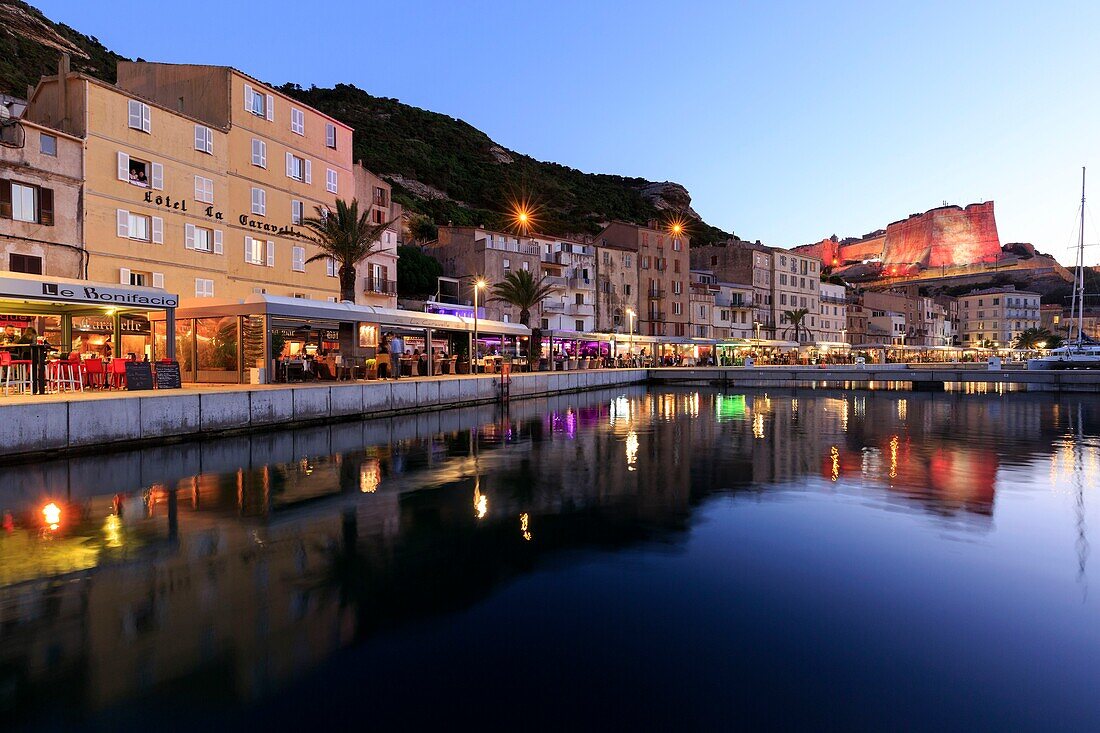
631,314
478,285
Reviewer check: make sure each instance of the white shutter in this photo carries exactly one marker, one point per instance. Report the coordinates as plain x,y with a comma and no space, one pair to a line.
263,201
189,236
248,97
270,253
123,167
270,108
199,188
200,138
146,120
263,153
158,279
158,230
124,275
289,165
309,172
248,249
133,114
123,218
158,176
218,248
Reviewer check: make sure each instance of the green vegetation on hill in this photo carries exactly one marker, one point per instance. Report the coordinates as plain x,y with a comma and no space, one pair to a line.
30,44
441,167
479,177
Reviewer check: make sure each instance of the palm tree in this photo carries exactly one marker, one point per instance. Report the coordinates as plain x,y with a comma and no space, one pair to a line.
795,318
520,289
346,236
1032,337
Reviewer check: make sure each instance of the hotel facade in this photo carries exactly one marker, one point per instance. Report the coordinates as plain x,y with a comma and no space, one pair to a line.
197,179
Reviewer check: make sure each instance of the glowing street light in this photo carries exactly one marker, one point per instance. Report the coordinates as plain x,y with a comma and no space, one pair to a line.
479,284
632,315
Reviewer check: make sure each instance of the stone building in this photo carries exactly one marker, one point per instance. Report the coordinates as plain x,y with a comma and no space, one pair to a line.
376,276
41,217
197,178
571,268
616,287
470,253
663,267
997,315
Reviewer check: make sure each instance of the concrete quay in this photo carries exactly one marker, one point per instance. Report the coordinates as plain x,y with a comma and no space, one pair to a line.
33,426
918,377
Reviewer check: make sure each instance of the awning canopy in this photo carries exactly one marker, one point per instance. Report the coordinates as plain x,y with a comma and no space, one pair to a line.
42,294
304,308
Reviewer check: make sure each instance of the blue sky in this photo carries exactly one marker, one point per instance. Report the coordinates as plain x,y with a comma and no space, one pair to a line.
788,122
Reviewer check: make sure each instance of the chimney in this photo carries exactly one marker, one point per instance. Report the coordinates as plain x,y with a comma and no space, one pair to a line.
63,91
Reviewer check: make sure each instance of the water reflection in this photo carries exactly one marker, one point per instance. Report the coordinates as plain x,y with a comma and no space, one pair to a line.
226,570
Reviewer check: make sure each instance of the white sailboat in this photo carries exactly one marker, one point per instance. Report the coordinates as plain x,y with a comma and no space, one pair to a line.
1078,353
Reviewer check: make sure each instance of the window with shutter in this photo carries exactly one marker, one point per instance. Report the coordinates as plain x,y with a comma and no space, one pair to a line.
5,200
24,202
269,103
259,153
123,223
296,211
123,167
158,279
270,253
157,179
298,259
330,181
134,117
189,236
330,135
124,275
309,172
146,118
259,202
297,121
218,247
158,230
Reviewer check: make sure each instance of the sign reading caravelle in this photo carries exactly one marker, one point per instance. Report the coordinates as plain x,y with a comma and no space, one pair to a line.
178,204
100,294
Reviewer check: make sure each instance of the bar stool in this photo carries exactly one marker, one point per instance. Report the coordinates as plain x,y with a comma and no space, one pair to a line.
64,376
17,373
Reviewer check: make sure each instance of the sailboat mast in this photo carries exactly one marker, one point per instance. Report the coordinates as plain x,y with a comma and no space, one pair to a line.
1081,267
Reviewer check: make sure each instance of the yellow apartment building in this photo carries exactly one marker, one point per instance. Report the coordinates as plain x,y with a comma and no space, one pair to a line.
197,179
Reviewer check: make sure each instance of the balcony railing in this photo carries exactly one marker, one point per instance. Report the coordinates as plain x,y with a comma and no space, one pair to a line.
655,293
581,283
380,287
557,281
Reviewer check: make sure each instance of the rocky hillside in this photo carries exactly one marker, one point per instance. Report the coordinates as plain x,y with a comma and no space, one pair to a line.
30,44
441,167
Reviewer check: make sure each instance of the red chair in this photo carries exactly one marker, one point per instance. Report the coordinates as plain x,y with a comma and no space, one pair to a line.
117,374
95,375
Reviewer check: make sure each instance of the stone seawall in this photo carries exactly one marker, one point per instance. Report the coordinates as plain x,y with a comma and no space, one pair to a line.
130,419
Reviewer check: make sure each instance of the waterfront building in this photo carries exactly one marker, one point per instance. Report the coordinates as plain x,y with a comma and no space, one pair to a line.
834,313
616,287
703,300
663,267
782,281
469,253
733,311
857,317
376,276
197,178
41,223
571,268
997,315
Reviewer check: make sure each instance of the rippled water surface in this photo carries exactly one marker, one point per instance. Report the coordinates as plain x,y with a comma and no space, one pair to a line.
656,560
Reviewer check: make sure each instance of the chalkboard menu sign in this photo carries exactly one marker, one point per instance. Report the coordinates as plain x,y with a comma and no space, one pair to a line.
139,376
168,375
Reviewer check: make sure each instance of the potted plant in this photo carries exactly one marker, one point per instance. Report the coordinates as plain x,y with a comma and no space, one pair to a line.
372,368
